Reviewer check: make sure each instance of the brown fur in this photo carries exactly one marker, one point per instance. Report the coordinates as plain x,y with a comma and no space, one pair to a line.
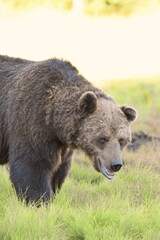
47,109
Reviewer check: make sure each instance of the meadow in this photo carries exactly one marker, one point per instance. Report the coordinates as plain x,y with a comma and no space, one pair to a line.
90,207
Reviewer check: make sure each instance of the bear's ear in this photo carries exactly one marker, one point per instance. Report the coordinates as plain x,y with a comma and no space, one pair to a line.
130,113
87,103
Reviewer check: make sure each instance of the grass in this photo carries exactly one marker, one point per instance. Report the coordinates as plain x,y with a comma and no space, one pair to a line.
126,208
89,206
143,95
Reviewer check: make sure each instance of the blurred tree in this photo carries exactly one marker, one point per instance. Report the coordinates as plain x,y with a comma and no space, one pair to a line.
62,4
89,7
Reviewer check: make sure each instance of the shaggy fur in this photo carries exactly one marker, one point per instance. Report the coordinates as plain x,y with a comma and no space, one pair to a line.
47,109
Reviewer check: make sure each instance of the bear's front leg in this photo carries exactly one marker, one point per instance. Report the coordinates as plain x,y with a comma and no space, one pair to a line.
31,182
63,170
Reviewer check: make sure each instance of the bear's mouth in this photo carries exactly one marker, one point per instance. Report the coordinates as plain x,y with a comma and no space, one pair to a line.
105,172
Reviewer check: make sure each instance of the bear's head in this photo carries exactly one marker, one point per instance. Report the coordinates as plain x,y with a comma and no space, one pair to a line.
104,131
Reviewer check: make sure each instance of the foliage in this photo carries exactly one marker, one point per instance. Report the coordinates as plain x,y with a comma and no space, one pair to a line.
23,4
91,7
105,7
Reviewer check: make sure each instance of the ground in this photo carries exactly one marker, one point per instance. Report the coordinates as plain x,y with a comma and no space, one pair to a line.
140,138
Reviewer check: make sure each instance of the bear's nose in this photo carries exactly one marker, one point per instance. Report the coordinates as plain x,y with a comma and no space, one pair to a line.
116,166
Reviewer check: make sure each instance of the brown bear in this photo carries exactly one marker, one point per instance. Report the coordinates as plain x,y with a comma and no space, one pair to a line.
47,109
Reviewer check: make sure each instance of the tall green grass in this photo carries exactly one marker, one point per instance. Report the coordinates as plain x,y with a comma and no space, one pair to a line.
126,208
89,206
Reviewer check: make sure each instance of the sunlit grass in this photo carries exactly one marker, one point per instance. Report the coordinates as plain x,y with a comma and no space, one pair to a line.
125,208
143,95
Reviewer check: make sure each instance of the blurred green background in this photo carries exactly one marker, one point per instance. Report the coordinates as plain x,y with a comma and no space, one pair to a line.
92,7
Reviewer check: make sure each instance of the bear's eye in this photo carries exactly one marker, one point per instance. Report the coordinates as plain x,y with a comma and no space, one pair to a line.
122,142
103,140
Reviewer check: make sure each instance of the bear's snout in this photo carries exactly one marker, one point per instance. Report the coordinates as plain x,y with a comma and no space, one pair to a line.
116,166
